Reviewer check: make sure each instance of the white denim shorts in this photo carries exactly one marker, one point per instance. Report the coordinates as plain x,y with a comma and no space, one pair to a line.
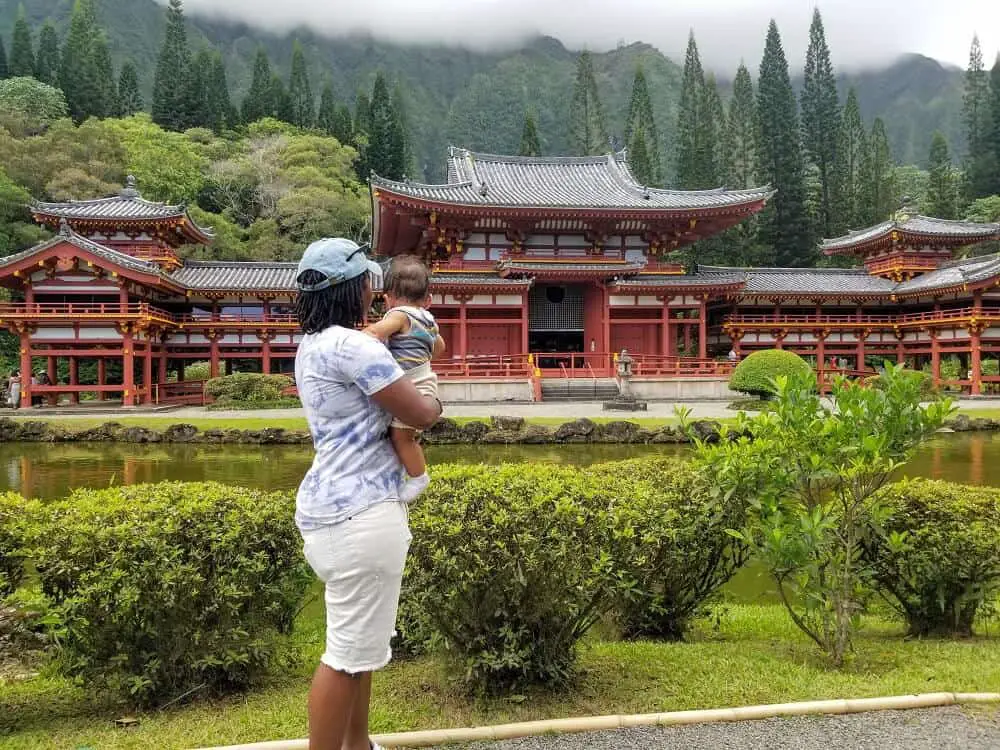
360,561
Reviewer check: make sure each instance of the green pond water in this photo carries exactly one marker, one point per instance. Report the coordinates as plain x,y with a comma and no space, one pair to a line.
49,471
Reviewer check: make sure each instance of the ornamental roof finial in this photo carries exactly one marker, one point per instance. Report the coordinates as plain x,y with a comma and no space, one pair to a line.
130,192
64,229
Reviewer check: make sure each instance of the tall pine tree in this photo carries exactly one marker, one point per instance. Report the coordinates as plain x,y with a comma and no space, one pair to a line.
639,160
402,129
4,72
129,96
281,102
693,169
79,67
741,133
386,148
303,112
172,93
343,125
640,116
22,53
976,115
941,187
327,109
821,122
107,85
588,133
257,103
362,114
995,122
715,133
198,107
784,225
223,113
530,144
47,59
880,192
851,164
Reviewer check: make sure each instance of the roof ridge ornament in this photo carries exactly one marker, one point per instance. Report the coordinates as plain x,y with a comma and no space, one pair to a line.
130,192
64,229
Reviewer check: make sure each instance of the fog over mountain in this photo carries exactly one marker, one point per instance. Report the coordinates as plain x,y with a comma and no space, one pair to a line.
861,33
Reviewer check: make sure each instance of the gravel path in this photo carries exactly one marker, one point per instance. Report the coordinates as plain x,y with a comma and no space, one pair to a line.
948,728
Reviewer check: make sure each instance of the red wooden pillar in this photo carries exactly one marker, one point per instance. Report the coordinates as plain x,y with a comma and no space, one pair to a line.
265,353
606,318
862,335
102,377
935,358
703,330
25,370
74,379
213,357
665,329
128,368
687,338
53,372
821,350
147,370
463,327
162,374
525,326
975,360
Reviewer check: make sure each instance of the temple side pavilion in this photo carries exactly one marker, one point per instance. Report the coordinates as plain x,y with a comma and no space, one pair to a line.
543,268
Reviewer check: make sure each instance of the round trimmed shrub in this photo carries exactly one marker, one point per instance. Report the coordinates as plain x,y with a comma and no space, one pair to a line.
508,569
670,541
937,555
756,373
247,387
164,588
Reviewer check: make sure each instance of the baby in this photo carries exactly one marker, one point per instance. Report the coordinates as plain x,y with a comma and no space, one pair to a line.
411,334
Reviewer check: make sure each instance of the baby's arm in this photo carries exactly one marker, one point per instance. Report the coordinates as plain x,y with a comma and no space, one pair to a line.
439,347
393,323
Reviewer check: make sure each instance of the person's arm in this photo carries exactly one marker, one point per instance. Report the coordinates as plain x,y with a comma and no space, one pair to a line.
439,347
390,325
403,401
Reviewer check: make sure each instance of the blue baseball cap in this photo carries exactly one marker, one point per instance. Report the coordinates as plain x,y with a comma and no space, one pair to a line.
338,259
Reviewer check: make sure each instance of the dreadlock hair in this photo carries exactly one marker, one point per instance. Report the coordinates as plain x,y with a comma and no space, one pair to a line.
339,305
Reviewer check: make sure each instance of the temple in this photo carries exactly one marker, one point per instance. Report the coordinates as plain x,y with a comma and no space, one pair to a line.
543,270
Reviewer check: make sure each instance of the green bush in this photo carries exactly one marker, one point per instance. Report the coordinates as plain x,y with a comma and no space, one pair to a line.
282,403
198,371
15,514
756,373
509,568
938,553
171,587
924,379
671,543
247,387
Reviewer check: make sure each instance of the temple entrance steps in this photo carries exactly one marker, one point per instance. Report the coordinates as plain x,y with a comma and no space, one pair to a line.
578,389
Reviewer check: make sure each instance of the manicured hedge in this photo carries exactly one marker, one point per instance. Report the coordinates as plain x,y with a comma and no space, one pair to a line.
170,587
247,387
756,373
938,554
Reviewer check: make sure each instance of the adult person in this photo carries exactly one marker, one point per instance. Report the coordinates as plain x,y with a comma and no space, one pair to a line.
354,527
14,390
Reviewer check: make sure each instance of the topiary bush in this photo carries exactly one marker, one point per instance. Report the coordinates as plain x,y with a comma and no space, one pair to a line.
671,542
937,554
170,587
247,388
508,568
756,373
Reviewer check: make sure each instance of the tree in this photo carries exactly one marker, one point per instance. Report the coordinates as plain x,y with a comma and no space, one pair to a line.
941,184
820,124
530,145
281,102
79,71
741,133
402,129
171,86
714,167
257,103
980,164
784,225
303,110
47,59
31,99
879,198
343,125
692,168
4,73
362,113
327,110
640,116
588,132
107,87
17,231
22,53
995,122
639,160
851,164
198,107
129,96
223,113
386,148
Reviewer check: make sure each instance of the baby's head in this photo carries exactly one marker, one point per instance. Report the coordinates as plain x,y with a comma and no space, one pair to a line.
407,282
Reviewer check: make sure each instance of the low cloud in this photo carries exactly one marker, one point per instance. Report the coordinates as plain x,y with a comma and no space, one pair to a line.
860,32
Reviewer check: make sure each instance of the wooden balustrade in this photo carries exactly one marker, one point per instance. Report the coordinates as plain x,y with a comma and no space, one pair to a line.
938,316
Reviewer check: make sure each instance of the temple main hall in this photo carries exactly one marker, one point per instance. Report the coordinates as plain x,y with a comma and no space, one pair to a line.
543,270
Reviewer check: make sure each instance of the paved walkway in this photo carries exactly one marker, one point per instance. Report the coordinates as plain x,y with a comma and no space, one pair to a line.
950,728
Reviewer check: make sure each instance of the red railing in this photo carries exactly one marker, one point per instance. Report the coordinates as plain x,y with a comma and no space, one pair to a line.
679,367
82,310
907,262
573,364
864,320
189,392
484,366
208,320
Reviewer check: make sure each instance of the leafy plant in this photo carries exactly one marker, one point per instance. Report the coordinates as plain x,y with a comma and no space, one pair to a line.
809,473
247,387
937,555
509,568
670,542
15,514
169,588
756,374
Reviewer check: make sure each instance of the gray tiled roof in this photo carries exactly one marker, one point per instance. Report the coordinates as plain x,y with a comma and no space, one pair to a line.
272,276
680,280
559,182
968,271
113,256
805,280
919,225
482,279
541,265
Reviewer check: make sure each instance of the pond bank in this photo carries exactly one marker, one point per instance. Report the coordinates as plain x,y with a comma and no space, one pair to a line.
496,431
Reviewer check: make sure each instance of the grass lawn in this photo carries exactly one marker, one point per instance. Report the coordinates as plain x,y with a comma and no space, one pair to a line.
752,655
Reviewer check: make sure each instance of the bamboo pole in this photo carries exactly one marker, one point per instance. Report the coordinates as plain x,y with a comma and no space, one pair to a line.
433,737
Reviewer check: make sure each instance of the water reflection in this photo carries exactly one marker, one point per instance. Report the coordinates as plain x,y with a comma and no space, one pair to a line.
50,470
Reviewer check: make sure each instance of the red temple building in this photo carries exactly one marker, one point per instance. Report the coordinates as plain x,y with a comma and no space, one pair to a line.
544,268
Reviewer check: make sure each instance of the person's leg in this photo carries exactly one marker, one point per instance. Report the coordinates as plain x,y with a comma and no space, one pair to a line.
331,700
357,727
404,442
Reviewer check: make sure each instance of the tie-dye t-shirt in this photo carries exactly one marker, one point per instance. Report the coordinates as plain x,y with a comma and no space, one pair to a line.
355,467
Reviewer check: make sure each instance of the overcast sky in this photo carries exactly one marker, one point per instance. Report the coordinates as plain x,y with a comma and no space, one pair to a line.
860,32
